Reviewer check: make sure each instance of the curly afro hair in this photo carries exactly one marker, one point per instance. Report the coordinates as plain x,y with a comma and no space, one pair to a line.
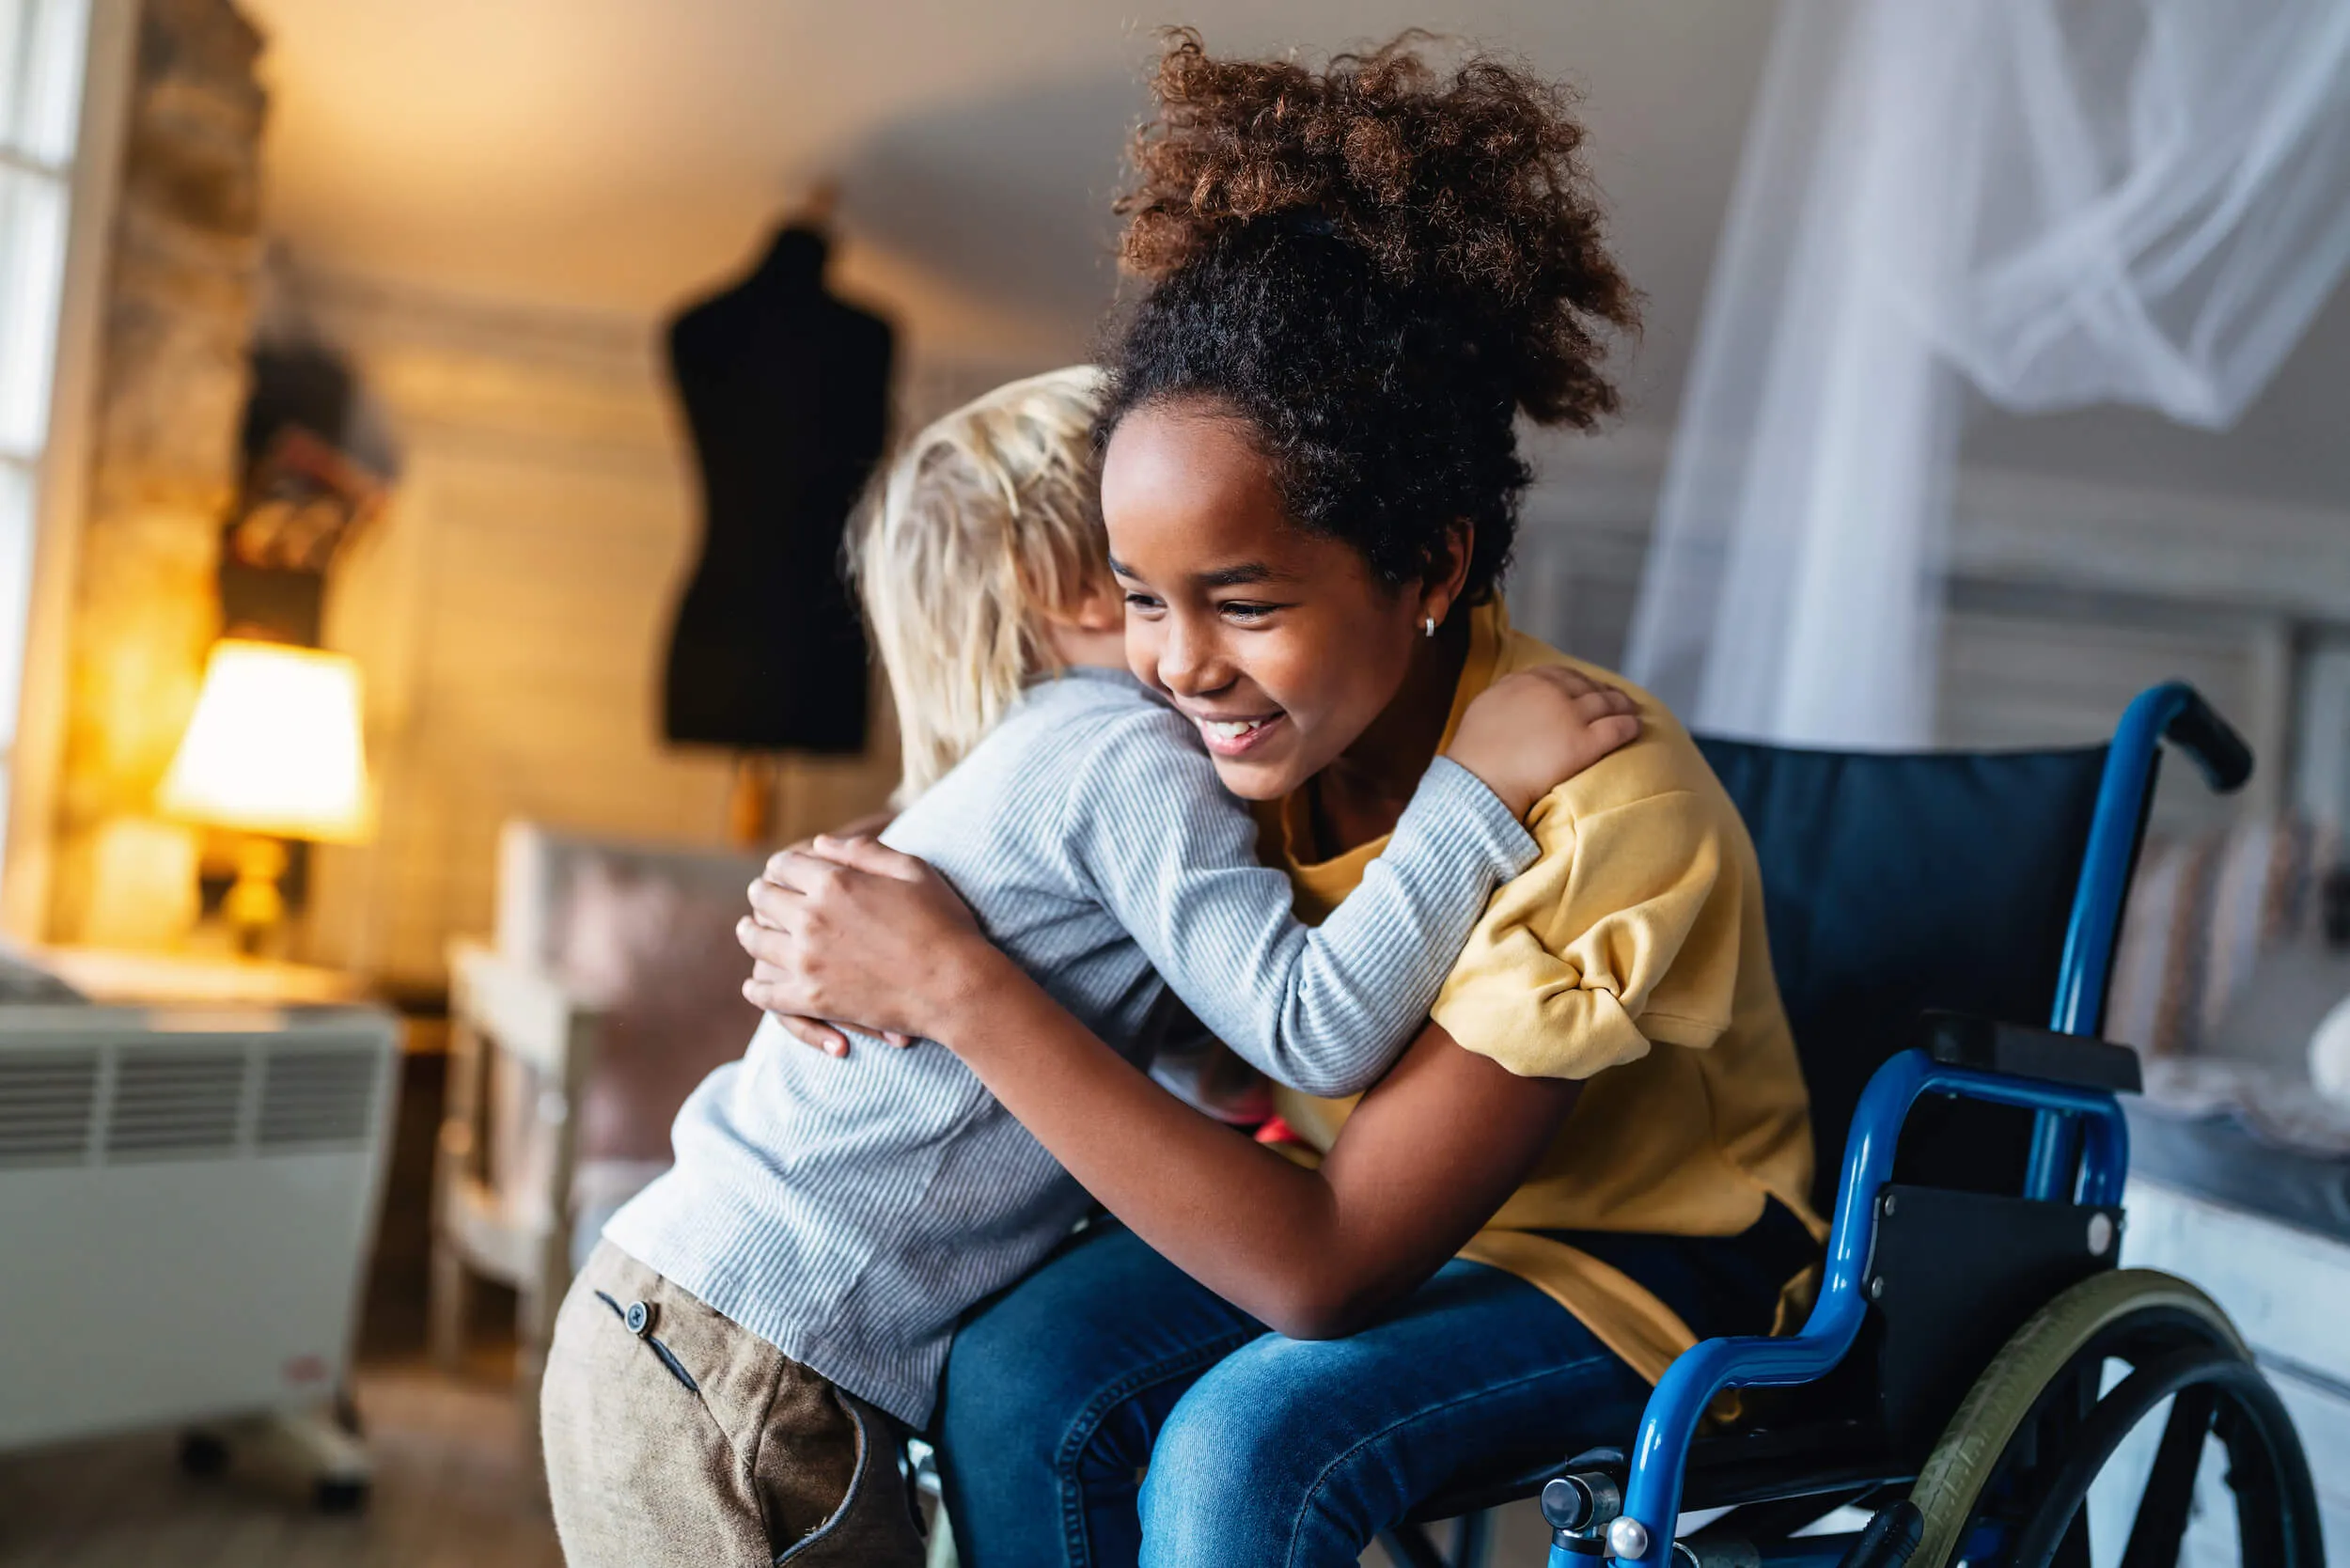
1376,266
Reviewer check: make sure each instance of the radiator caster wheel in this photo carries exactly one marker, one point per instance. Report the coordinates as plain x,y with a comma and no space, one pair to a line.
331,1496
202,1455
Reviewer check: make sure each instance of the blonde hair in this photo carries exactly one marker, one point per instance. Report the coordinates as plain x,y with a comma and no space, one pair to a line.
987,524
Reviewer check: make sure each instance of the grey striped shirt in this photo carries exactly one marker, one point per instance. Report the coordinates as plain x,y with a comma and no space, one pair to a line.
849,1210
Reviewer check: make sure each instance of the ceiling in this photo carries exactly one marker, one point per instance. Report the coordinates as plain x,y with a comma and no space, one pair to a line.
617,155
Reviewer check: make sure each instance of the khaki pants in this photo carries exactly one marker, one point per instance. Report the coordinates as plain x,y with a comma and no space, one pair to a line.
674,1438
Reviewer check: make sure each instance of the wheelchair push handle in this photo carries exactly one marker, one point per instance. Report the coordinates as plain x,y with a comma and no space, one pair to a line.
2196,727
2173,711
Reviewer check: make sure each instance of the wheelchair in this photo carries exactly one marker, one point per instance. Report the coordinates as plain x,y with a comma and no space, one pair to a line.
1975,1356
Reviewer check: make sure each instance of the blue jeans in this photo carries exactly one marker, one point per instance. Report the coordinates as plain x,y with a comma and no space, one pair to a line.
1259,1450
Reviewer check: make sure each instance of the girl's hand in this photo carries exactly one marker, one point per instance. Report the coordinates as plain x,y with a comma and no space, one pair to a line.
850,930
812,1032
1527,733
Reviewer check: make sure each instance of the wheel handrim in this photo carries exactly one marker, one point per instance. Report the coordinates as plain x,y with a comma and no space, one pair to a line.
2014,1389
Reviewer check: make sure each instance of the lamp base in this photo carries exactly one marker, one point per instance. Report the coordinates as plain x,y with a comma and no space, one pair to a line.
254,907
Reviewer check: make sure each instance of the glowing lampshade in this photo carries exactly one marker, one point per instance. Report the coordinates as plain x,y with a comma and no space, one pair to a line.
275,746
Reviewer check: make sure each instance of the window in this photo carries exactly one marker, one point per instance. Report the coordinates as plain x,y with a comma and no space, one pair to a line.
41,45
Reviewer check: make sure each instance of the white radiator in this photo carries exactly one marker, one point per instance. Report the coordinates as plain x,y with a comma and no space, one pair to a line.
186,1203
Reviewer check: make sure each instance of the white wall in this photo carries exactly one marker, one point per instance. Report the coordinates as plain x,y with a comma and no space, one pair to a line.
2068,596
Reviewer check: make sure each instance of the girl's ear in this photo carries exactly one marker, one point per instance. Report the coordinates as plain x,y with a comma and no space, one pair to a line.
1448,569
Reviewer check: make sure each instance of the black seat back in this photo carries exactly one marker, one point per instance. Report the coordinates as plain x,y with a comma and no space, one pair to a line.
1896,883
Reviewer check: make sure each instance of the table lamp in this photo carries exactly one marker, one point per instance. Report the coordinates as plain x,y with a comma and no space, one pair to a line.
273,752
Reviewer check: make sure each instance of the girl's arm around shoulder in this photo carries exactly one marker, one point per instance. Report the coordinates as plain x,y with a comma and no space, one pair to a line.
1428,1157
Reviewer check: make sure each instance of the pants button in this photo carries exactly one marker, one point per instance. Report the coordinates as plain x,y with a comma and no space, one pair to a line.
639,1318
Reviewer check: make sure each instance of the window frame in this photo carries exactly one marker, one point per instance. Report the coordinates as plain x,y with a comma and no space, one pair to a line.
55,471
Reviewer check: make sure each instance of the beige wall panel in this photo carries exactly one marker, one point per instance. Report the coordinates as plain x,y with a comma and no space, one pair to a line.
512,614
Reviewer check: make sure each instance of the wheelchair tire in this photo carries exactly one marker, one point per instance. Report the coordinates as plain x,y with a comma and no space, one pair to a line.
2044,1388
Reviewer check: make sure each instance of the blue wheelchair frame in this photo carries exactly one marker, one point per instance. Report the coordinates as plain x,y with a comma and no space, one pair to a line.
2080,1143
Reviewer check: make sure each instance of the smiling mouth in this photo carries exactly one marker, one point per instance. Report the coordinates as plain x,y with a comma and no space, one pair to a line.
1231,737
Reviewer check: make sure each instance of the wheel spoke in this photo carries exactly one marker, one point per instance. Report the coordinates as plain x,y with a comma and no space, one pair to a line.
2068,1413
2055,1512
2170,1494
2261,1522
2072,1551
2017,1461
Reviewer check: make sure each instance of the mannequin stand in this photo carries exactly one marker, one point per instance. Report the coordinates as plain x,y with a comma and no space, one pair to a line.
758,805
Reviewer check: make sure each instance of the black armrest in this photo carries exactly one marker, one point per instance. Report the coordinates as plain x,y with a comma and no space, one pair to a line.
2021,1051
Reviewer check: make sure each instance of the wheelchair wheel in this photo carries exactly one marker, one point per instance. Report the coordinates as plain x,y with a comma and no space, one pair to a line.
2008,1482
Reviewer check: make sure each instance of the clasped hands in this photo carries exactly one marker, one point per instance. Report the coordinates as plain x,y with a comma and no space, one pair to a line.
848,932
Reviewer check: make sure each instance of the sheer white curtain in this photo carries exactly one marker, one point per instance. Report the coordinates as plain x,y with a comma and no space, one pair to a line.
2063,202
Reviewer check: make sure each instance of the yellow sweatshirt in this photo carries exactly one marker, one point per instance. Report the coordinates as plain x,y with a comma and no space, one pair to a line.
1630,954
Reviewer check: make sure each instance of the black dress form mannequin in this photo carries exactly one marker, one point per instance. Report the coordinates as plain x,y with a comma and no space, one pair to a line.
787,392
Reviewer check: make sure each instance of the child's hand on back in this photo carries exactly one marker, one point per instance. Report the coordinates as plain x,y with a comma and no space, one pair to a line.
1526,733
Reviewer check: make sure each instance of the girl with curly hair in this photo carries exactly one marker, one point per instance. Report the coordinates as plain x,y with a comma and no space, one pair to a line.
1598,1149
732,1366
